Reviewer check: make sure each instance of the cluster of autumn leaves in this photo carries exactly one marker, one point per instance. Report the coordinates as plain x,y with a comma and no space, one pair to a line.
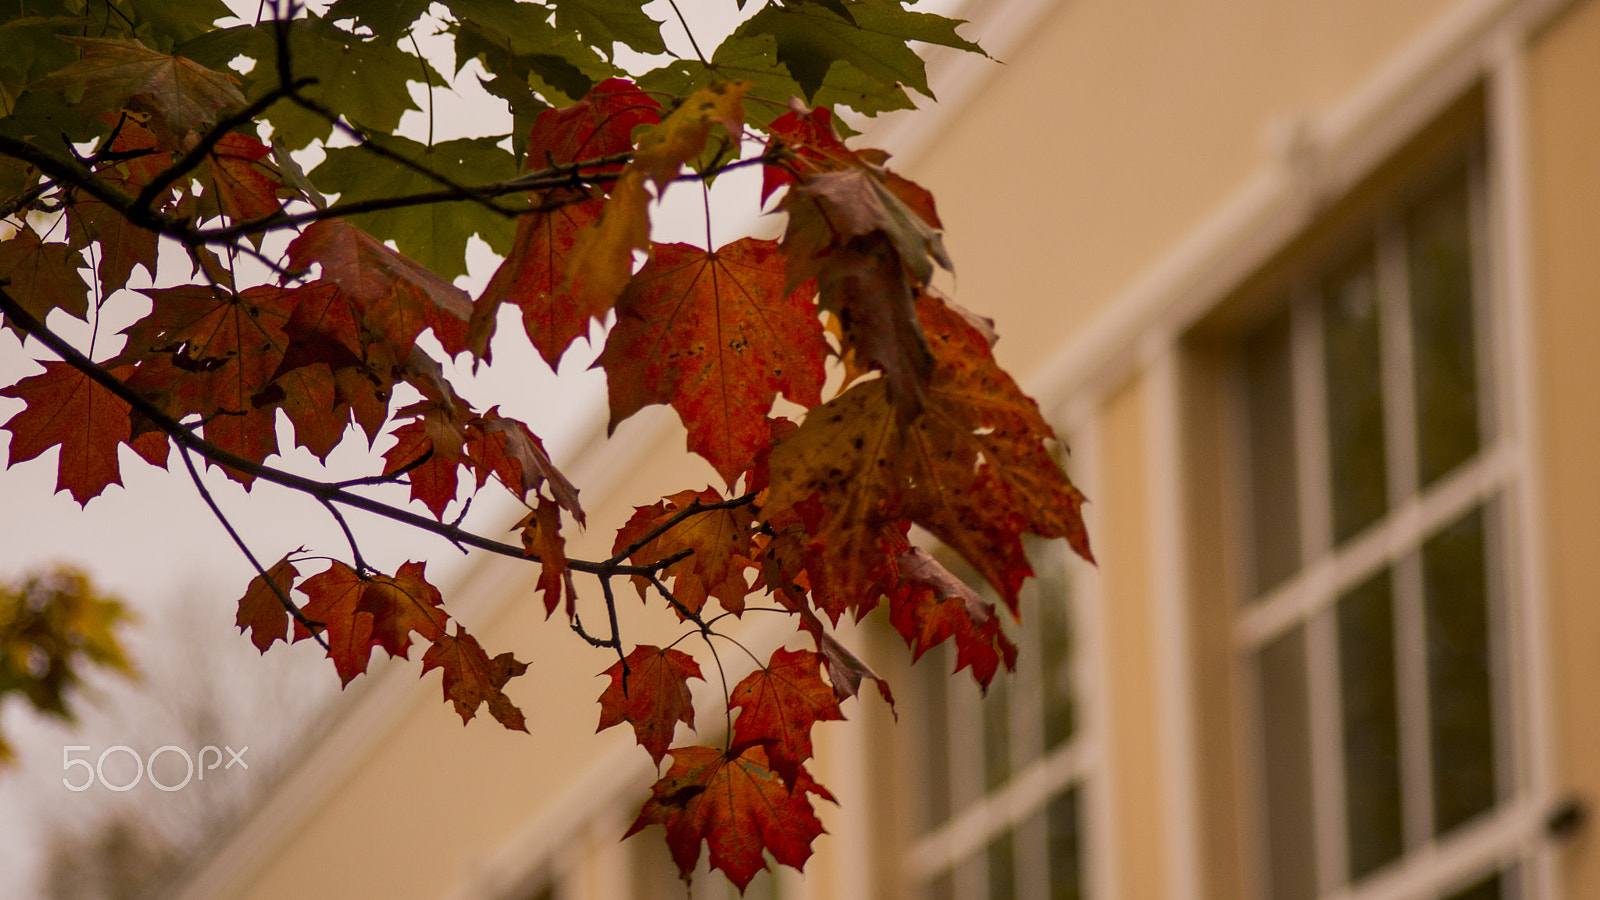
925,428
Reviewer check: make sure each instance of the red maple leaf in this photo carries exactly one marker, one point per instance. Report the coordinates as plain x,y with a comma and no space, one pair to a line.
717,337
738,806
437,433
777,706
533,274
244,184
261,611
931,605
123,245
506,448
471,678
653,696
335,602
397,297
67,407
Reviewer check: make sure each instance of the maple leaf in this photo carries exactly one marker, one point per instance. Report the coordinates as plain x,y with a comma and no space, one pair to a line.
335,602
66,407
115,73
471,678
846,671
507,449
738,806
438,432
777,706
43,276
720,540
123,245
870,254
651,692
931,605
533,275
309,396
541,537
715,335
601,260
398,298
973,469
261,612
245,185
401,605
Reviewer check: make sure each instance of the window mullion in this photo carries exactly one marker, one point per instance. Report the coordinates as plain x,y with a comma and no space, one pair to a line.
1411,680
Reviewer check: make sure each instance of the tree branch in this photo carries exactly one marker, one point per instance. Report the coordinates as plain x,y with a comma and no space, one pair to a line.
333,493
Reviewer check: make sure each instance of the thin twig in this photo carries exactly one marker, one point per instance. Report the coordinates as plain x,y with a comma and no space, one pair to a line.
289,605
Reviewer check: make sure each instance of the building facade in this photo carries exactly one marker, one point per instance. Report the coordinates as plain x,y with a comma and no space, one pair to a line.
1312,291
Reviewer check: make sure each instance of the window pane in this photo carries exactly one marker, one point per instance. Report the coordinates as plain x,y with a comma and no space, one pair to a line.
1055,662
1355,398
1002,868
1369,708
1274,497
1439,252
1286,750
1487,889
1066,867
933,675
1456,591
997,732
941,888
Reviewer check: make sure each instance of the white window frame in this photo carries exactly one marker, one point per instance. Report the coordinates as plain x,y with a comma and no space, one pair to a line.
1078,763
1499,839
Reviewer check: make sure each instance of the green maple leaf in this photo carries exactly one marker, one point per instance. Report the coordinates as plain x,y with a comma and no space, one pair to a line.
606,22
389,20
811,38
363,79
433,234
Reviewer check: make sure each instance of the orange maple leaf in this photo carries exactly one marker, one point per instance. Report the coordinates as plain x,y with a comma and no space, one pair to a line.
717,336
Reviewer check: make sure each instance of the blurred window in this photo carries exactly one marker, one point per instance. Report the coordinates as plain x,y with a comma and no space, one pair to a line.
1373,635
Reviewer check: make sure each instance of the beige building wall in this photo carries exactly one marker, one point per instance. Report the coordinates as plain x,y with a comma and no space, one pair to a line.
1564,150
1117,132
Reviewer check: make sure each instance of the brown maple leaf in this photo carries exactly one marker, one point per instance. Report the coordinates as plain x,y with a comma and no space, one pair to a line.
653,696
471,678
541,537
113,74
738,806
436,434
401,605
717,337
509,450
931,605
335,602
261,611
43,276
